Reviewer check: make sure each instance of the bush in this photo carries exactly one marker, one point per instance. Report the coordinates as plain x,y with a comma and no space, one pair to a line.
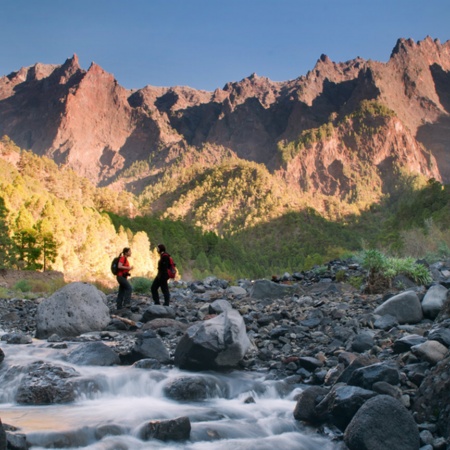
382,270
141,285
23,286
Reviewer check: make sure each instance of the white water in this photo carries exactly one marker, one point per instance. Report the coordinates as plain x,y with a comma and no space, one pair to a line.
130,397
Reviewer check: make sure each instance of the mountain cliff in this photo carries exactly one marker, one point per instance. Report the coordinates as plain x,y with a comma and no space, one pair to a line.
344,130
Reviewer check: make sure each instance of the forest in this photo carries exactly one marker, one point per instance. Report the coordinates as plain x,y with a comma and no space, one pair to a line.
53,219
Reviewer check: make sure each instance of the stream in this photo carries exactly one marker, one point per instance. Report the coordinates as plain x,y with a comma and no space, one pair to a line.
110,417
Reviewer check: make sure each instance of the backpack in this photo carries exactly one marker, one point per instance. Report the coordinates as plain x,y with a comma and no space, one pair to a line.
115,265
171,270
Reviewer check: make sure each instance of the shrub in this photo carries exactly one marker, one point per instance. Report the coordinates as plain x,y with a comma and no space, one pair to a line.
382,270
23,286
141,285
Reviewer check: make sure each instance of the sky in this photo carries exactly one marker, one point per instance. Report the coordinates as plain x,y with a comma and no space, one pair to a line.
206,43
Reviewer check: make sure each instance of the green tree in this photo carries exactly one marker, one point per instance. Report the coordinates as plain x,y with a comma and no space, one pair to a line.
29,250
6,243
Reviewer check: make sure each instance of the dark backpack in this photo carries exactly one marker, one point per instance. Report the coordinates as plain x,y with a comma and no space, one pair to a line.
115,265
171,270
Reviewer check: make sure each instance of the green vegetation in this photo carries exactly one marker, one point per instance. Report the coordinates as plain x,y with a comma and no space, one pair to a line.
382,270
232,219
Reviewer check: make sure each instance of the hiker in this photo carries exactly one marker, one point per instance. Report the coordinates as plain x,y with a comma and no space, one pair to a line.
162,276
123,272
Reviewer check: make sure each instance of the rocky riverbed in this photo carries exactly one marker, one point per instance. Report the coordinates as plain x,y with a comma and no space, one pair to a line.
347,349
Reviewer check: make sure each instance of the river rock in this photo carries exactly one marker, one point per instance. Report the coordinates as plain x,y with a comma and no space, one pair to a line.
2,436
382,423
149,345
434,300
430,351
93,354
365,377
405,307
193,388
178,429
75,309
45,384
342,403
216,343
262,289
305,408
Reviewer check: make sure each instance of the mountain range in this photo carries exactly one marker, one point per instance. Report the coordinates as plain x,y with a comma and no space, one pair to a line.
344,132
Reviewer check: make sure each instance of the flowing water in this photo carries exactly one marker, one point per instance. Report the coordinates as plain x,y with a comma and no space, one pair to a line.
109,418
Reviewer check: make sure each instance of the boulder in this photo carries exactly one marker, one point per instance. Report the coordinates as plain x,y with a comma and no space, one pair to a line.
196,388
93,354
430,351
46,384
342,403
405,307
178,429
262,289
75,309
434,300
365,377
149,345
217,343
305,408
382,423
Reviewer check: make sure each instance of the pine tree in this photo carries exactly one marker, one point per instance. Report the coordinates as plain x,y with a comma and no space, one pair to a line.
6,243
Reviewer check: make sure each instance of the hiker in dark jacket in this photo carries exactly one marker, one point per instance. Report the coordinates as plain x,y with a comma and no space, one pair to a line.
125,289
162,277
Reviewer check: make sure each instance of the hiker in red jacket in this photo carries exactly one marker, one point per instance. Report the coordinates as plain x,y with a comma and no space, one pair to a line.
162,277
123,272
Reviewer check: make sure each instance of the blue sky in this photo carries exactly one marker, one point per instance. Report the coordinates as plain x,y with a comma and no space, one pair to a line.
207,43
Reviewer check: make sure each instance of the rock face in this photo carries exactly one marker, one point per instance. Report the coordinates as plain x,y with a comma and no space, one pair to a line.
85,119
217,343
74,309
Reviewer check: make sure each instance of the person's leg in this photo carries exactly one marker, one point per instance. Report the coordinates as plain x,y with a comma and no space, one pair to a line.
154,289
120,294
128,289
165,291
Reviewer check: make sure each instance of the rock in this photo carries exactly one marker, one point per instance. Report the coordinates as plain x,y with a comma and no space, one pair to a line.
430,351
214,344
196,388
365,377
382,423
2,355
385,322
18,338
219,306
262,289
149,345
405,307
2,436
93,354
45,384
434,300
158,312
405,343
167,430
362,342
305,408
75,309
342,403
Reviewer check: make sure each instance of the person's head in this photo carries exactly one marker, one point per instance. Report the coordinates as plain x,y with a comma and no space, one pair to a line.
126,251
161,248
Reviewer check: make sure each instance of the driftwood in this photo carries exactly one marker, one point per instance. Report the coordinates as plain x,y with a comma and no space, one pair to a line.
129,322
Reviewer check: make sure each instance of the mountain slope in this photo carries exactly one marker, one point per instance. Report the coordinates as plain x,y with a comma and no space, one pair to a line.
321,136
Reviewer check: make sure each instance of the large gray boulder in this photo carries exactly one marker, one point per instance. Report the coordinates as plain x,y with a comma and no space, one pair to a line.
75,309
214,344
382,423
405,307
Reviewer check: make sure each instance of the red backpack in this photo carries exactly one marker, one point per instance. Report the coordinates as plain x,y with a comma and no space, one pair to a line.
171,270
